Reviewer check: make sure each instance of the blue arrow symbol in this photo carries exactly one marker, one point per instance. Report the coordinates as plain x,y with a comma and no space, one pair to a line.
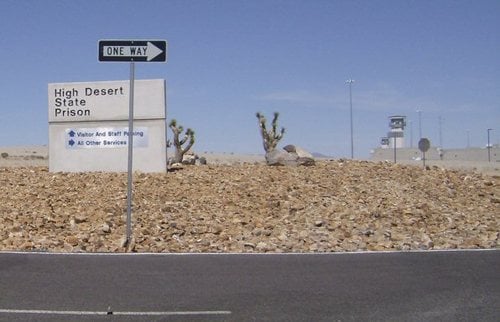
71,142
72,134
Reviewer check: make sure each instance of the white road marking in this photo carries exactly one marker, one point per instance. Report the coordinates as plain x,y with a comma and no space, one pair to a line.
175,313
157,313
52,312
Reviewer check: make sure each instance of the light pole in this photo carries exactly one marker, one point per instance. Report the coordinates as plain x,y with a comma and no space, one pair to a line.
350,81
419,124
489,146
440,120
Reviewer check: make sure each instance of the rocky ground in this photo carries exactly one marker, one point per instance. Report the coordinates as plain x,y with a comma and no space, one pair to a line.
330,207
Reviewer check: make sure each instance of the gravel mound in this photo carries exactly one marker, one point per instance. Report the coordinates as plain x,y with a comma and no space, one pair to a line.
330,207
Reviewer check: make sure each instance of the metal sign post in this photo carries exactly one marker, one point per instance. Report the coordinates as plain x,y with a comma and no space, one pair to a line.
394,140
131,51
130,153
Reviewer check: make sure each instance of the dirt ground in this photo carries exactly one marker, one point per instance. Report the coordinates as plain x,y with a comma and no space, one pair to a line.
233,206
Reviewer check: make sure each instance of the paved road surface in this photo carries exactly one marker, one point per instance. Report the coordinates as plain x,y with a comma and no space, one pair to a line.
407,286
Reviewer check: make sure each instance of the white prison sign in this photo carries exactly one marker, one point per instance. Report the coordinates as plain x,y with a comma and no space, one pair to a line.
88,126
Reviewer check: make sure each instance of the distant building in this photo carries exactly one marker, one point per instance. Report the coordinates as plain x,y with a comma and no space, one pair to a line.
396,137
384,142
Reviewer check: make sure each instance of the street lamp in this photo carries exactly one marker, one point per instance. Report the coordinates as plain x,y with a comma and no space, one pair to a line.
489,145
440,120
350,81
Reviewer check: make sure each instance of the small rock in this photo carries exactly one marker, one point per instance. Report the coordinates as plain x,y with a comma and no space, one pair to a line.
27,245
80,219
205,243
303,157
189,159
261,246
319,223
175,167
367,232
216,229
72,240
251,245
426,243
105,228
257,232
282,237
281,158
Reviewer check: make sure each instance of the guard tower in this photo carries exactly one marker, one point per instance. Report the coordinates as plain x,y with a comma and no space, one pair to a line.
397,125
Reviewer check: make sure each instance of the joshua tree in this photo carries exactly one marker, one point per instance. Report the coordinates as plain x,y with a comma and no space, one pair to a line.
188,135
270,137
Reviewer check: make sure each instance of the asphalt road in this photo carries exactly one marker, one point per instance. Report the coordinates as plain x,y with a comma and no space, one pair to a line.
399,286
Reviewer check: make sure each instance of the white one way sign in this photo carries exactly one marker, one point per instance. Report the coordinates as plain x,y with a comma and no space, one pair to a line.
133,50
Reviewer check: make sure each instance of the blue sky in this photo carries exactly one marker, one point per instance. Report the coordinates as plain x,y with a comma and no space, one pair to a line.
229,59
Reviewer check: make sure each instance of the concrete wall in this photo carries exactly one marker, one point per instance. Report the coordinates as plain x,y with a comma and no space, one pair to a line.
470,154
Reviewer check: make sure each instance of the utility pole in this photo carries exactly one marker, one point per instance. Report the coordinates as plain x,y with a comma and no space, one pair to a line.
419,124
350,81
440,120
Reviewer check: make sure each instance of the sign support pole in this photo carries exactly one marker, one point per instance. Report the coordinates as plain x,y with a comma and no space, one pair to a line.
132,51
130,154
